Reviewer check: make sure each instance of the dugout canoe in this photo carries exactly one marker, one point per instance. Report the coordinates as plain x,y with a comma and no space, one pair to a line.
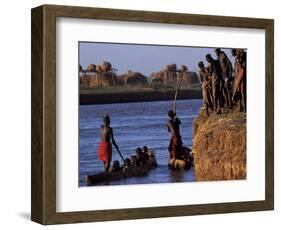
180,164
123,173
185,162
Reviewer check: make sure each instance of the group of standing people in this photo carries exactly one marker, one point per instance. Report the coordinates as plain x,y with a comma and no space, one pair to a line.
224,85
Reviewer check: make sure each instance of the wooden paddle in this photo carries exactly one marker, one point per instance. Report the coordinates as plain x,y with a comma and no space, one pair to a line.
120,154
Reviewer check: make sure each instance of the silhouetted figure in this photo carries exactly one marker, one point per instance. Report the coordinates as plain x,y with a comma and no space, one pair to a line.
206,85
226,68
214,70
175,145
142,157
239,88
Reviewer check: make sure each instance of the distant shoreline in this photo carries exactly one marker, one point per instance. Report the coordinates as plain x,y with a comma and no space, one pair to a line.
88,97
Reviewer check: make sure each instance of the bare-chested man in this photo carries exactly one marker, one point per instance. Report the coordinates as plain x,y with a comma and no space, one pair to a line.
239,88
206,85
226,68
105,147
214,70
175,145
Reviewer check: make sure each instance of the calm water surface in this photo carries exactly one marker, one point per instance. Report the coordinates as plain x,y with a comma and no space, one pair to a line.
135,125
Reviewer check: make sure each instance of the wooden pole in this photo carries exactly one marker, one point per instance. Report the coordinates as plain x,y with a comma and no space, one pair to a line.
177,91
120,155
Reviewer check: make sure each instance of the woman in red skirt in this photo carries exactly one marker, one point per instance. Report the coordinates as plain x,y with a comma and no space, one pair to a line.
105,147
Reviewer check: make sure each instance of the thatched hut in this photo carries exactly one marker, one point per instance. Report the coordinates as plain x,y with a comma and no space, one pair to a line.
106,66
135,78
190,79
91,68
171,67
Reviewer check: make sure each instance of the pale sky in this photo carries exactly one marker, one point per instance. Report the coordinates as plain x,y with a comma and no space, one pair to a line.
143,58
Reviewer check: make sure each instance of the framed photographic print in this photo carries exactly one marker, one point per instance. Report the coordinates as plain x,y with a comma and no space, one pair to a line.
140,114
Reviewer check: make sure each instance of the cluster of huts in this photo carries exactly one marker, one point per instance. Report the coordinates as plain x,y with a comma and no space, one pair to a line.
105,75
169,75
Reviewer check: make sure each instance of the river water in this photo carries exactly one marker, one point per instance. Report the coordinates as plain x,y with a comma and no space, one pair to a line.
135,125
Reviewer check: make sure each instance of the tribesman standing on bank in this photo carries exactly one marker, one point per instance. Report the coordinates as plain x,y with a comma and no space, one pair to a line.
206,87
226,69
239,88
215,73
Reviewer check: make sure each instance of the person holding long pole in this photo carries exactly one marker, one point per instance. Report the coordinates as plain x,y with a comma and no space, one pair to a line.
174,123
107,139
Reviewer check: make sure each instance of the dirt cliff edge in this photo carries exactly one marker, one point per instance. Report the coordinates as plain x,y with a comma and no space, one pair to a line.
219,146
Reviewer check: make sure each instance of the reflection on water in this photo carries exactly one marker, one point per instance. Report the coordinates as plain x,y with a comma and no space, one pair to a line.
135,125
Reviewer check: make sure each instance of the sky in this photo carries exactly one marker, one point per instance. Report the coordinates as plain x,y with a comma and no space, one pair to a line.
143,58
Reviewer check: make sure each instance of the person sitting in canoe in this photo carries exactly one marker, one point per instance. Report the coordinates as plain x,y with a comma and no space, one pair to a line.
175,145
150,156
105,147
127,163
145,152
142,157
134,160
115,167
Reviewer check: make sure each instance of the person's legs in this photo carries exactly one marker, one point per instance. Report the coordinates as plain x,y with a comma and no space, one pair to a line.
229,97
214,91
226,97
223,97
207,110
218,99
210,100
243,94
239,102
170,149
106,166
205,100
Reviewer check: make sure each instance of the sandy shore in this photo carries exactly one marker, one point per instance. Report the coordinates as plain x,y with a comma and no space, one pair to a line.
97,97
